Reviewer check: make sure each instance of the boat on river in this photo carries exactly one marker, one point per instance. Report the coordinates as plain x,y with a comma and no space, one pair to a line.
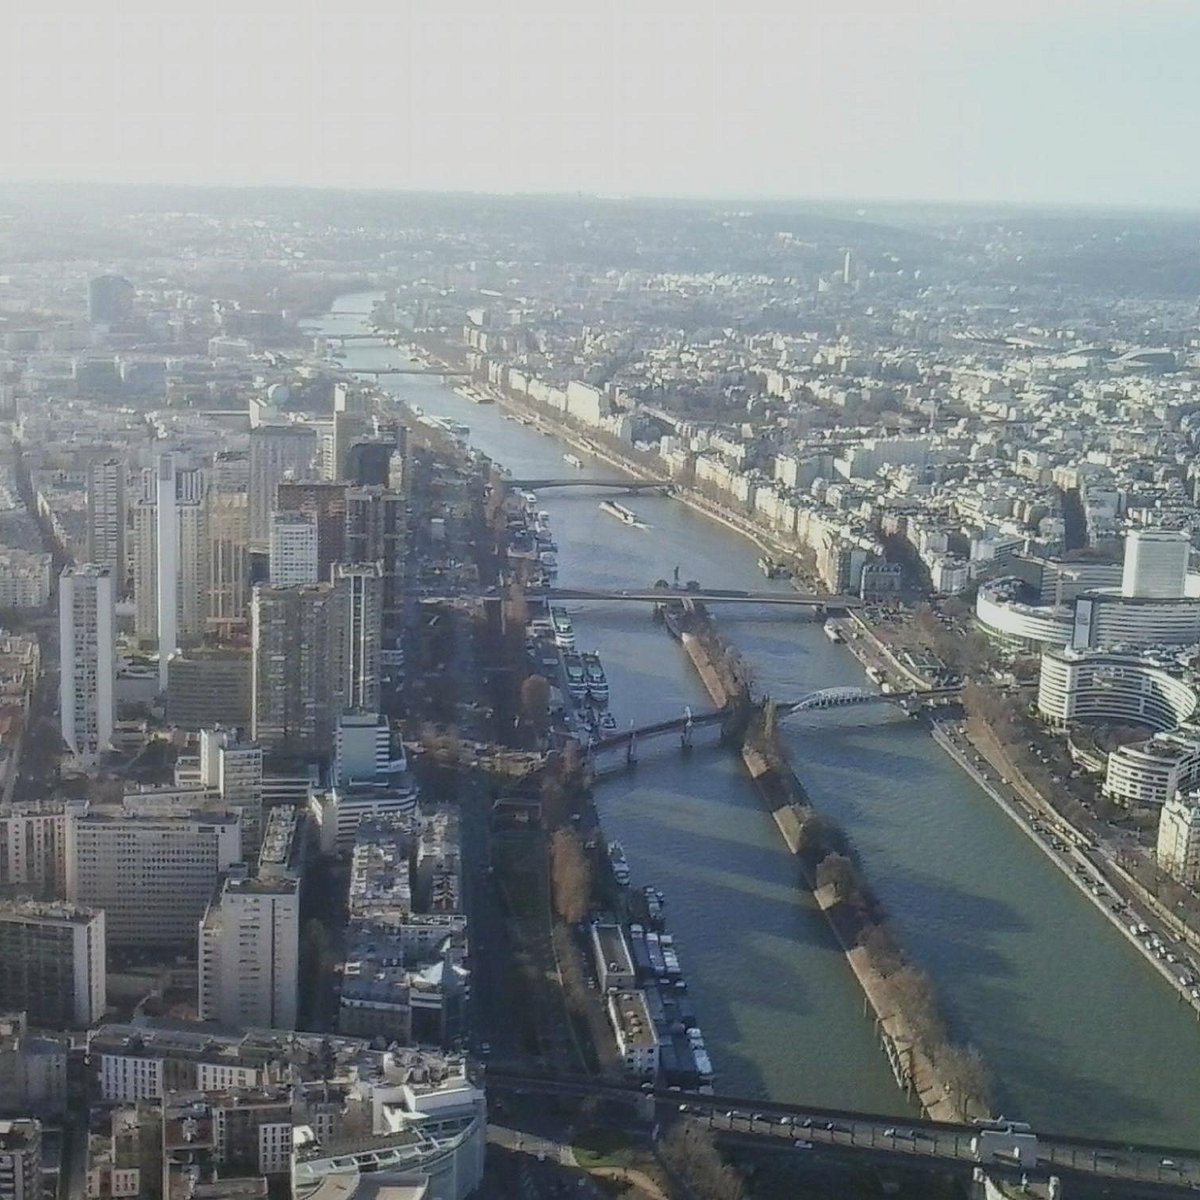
597,681
832,632
573,460
619,511
619,863
573,670
564,631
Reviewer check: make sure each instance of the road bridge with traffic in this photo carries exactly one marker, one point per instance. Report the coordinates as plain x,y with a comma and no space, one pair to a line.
574,481
1151,1169
708,595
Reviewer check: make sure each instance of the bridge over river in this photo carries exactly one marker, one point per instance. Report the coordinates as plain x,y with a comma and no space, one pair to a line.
1135,1170
820,700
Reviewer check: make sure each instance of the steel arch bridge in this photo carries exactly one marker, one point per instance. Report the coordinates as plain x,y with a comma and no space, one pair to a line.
842,697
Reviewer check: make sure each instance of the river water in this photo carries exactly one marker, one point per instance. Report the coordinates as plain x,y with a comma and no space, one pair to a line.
1081,1036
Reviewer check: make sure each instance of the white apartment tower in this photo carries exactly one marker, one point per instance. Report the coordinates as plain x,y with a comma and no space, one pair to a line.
166,532
358,642
250,954
106,519
89,665
1156,562
293,549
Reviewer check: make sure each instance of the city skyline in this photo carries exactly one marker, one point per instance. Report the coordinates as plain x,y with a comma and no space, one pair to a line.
1064,104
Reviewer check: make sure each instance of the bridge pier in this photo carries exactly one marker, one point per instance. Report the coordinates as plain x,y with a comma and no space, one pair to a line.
685,734
631,750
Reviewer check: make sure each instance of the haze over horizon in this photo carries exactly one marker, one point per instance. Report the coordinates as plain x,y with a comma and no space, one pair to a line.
1073,102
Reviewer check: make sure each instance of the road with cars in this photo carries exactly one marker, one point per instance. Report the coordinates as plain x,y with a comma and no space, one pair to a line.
804,1129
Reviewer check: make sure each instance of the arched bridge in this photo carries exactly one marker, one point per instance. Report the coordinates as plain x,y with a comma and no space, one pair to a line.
573,481
824,698
847,697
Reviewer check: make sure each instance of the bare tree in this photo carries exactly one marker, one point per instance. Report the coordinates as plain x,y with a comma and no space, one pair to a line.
838,872
571,876
535,702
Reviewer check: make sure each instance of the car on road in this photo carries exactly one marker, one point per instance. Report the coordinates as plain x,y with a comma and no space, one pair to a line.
801,1144
834,1127
898,1133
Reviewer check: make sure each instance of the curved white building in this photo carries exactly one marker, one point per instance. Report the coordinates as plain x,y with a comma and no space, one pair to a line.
1017,626
1109,687
1107,618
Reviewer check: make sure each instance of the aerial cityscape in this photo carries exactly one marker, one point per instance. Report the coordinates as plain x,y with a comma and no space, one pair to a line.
600,603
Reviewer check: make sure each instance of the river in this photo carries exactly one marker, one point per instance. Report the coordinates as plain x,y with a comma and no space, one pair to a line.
1080,1034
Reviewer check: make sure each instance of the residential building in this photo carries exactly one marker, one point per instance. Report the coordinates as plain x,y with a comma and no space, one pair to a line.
33,1069
325,502
294,558
358,643
227,528
1179,839
21,1160
249,953
278,453
88,647
53,962
106,518
376,526
296,688
33,848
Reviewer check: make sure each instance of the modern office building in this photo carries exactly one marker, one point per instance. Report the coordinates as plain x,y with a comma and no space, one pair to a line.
106,519
250,954
1156,562
53,962
1105,687
152,875
294,556
21,1160
277,453
87,643
1179,839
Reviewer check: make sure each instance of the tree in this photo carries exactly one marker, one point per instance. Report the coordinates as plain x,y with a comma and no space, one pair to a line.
571,876
535,702
966,1078
838,872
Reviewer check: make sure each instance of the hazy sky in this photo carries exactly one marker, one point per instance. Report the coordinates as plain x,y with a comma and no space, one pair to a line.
1061,100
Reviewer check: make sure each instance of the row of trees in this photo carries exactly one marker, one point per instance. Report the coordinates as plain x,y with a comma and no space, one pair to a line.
960,1068
570,876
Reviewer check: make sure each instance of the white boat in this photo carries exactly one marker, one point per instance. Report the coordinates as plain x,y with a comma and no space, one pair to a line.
573,669
564,631
573,460
620,866
619,511
832,632
597,681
